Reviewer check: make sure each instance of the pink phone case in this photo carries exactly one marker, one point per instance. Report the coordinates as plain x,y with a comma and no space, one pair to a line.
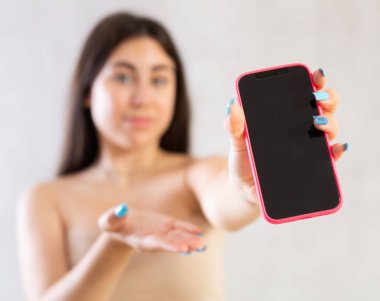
252,160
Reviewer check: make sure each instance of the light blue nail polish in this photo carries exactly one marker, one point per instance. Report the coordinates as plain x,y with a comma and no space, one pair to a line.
320,120
345,146
121,210
321,95
228,109
202,250
323,72
186,253
201,234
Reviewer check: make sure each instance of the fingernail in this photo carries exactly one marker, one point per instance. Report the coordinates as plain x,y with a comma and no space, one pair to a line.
121,210
201,234
345,146
322,71
186,253
230,102
320,120
202,250
321,95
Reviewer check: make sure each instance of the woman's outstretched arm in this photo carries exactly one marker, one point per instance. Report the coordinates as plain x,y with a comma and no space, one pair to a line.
226,204
43,260
42,250
225,188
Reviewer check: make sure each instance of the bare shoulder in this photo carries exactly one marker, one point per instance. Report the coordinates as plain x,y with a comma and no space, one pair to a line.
38,195
40,237
203,170
208,165
43,195
174,160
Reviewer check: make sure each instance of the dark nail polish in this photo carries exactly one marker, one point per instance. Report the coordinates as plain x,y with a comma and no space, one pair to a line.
345,146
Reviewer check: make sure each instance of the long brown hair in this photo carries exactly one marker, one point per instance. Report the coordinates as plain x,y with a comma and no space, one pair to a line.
81,146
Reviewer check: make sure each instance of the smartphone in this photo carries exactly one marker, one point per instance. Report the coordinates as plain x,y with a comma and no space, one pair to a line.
291,160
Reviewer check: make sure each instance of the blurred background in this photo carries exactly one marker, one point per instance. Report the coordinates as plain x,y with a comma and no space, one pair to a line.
334,257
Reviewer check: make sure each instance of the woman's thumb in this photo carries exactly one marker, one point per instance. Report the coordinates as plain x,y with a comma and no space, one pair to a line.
113,218
234,124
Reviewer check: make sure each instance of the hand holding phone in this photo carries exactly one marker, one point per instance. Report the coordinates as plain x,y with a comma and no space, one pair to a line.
291,160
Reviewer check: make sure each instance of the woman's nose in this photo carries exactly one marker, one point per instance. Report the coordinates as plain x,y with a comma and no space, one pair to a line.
141,95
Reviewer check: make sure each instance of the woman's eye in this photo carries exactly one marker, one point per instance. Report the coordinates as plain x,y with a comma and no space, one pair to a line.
159,81
123,78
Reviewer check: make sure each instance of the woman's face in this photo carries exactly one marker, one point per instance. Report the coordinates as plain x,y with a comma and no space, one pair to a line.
132,98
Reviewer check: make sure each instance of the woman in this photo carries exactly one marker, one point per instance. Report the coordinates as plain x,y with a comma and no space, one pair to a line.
127,140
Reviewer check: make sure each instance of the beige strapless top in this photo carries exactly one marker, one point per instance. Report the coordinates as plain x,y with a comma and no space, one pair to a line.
165,276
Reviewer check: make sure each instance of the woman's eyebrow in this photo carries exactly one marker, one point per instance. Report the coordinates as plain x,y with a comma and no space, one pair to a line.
133,68
163,67
124,64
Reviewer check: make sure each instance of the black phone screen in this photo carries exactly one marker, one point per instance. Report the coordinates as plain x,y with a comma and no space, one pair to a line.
292,161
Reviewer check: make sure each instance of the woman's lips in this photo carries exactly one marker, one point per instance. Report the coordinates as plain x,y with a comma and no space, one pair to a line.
141,122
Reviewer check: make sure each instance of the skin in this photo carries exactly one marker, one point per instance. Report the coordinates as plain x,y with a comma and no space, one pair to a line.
172,198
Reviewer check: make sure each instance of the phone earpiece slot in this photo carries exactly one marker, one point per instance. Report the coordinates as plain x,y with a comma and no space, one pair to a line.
271,73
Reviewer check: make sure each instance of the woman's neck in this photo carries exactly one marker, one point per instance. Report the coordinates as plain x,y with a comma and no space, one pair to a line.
126,165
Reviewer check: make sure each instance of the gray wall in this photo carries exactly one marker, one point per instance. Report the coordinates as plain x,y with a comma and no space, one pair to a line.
328,258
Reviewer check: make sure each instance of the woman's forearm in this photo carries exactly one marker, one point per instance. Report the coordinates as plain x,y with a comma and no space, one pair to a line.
234,205
95,276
